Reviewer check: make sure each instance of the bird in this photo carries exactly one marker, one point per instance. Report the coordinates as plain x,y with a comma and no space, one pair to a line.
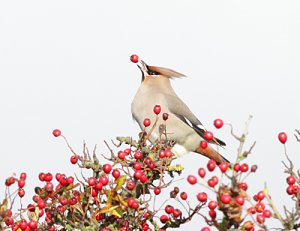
182,126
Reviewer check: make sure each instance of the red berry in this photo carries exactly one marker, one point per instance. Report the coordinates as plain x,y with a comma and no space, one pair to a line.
192,179
157,109
56,132
21,183
94,192
203,144
208,135
138,155
74,159
98,186
107,168
215,180
147,122
223,166
168,153
23,225
73,201
211,165
48,177
134,58
127,151
260,207
137,174
9,221
92,181
99,216
157,190
260,218
121,155
260,195
21,192
236,167
205,229
164,218
253,168
290,190
211,183
23,176
226,198
143,178
130,201
267,213
251,210
31,208
212,214
63,180
42,176
240,200
212,205
58,176
218,123
104,180
165,116
162,154
243,186
291,180
49,187
169,209
282,137
135,205
41,204
202,197
137,165
183,195
296,189
116,173
176,213
201,172
244,167
130,185
10,181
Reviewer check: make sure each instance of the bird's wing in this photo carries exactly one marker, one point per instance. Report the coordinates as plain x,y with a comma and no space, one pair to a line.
181,110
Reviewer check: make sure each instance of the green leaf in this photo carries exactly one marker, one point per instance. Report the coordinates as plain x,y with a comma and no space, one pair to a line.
108,209
120,181
118,212
3,206
176,168
69,227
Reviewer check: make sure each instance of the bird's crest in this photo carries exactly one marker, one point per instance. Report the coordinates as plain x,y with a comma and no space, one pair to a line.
165,72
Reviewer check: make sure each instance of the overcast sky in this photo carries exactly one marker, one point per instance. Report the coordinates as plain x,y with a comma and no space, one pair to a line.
65,64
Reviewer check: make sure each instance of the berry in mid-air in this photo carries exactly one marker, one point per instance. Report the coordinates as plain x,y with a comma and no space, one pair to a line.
134,58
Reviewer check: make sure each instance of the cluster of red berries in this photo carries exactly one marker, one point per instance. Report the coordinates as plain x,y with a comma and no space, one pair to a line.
21,183
293,186
226,197
208,135
173,213
157,111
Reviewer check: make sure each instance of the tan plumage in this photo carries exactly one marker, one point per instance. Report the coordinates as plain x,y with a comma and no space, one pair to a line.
182,125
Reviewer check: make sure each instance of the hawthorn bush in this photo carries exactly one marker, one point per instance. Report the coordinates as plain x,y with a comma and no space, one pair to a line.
120,192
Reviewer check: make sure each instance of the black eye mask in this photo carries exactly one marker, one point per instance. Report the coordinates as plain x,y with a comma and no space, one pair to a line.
150,72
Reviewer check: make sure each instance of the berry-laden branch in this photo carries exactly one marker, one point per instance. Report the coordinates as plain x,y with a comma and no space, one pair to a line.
122,190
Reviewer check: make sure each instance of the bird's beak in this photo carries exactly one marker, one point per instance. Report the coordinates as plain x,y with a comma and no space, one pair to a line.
143,66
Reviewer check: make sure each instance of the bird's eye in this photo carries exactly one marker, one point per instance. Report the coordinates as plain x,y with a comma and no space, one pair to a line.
150,72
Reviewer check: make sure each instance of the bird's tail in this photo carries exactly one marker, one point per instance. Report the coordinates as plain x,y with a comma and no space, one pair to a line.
210,153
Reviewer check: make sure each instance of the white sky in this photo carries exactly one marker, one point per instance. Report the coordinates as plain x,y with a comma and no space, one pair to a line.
65,64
